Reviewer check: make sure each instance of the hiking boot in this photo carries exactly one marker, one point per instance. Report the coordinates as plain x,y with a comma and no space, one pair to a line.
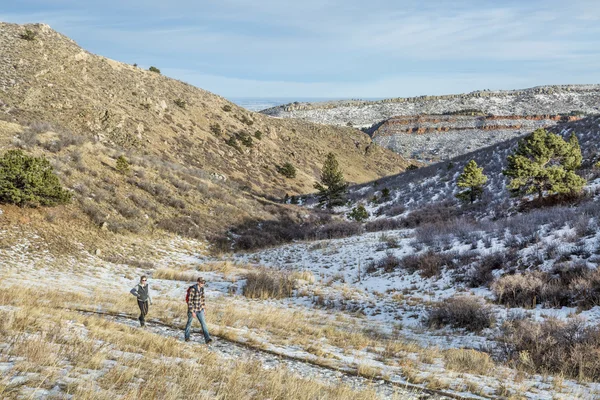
208,341
187,339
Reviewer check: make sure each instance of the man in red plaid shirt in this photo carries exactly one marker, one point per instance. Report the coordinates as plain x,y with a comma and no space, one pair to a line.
196,307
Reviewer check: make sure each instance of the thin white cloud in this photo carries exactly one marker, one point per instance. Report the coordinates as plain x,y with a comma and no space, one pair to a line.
350,45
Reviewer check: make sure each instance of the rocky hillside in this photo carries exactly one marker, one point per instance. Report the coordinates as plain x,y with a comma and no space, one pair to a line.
454,124
199,162
534,101
439,137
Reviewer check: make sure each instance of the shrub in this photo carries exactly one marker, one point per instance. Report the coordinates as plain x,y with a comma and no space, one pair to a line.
570,348
468,361
268,284
393,210
389,263
460,312
232,141
258,135
122,165
245,139
180,103
216,129
154,69
482,274
520,290
246,120
385,193
383,224
29,181
412,167
287,170
358,213
29,35
428,264
227,108
183,226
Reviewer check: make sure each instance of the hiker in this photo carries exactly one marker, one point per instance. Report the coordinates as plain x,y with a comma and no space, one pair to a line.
142,292
196,308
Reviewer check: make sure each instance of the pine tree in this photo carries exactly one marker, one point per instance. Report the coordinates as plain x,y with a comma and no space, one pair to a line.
29,181
545,162
332,188
472,179
358,213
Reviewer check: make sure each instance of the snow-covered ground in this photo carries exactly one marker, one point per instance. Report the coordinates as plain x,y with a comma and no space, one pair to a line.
389,304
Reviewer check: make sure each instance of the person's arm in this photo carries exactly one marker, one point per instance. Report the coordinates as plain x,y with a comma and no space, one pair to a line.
134,291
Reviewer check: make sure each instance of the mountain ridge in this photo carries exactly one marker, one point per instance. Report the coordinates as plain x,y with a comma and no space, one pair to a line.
199,163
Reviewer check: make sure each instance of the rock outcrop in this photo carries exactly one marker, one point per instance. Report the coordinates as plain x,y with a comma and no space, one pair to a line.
438,137
451,125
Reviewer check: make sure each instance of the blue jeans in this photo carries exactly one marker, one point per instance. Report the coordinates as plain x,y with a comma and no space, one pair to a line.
188,327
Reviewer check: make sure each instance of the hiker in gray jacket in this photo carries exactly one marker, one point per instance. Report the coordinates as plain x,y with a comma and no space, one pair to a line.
142,292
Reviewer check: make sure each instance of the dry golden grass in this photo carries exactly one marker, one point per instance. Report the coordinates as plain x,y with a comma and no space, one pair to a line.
146,365
468,360
175,275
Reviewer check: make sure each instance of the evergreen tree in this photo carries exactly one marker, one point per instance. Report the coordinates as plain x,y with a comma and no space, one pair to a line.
29,181
288,170
545,162
332,188
359,213
472,179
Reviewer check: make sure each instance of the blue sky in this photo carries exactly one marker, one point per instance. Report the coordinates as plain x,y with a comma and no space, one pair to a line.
336,48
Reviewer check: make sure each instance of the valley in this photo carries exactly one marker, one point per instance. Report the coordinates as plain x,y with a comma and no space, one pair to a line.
402,289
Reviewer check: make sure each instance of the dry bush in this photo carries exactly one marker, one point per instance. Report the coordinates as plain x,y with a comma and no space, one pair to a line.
469,361
95,213
175,275
441,212
383,224
304,275
267,284
428,264
184,226
553,346
389,263
482,272
460,312
566,285
520,290
64,139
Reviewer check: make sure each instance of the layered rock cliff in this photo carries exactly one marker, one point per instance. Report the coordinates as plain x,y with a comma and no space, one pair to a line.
438,137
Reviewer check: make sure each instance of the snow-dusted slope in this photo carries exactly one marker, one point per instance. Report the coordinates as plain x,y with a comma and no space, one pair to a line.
533,101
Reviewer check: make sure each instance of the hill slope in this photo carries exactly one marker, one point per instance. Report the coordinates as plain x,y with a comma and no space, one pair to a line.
195,155
533,101
431,128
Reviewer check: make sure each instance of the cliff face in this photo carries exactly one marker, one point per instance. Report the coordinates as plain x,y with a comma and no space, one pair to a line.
455,124
438,137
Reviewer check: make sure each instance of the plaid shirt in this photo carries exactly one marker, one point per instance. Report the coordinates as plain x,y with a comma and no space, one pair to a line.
196,301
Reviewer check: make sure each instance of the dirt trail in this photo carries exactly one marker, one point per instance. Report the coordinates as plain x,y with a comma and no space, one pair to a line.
232,350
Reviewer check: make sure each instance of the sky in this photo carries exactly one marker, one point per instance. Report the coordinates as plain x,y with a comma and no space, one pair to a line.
336,48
